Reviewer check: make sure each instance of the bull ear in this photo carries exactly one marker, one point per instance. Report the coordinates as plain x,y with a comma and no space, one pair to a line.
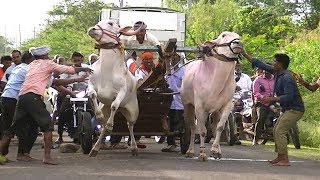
124,29
210,43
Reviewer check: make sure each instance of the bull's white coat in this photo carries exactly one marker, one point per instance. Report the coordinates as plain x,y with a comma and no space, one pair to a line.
207,87
111,83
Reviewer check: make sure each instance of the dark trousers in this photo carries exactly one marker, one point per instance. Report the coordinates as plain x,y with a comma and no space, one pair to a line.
27,134
64,111
263,112
175,124
27,137
31,105
8,109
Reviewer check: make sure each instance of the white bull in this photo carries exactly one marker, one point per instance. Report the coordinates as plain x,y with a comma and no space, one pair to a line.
207,87
111,82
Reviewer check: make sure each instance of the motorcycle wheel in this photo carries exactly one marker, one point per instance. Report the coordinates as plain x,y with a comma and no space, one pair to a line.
85,135
229,130
294,133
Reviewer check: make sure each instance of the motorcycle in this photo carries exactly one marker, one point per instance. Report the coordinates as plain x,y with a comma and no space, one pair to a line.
242,113
267,133
80,127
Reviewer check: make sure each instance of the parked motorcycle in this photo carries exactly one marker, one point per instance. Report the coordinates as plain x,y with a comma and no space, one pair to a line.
80,127
242,113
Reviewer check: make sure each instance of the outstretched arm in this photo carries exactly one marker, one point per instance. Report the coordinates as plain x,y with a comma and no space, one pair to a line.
311,87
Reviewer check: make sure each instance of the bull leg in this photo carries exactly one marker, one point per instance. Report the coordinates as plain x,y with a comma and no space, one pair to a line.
131,112
114,107
94,151
201,123
190,121
93,94
215,149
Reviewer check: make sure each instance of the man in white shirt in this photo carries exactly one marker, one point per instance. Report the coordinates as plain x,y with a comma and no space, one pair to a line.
243,81
64,106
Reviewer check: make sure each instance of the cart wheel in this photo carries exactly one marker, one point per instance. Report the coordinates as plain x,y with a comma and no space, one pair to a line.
185,139
160,139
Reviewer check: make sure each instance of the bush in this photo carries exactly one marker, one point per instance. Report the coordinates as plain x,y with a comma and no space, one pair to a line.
309,125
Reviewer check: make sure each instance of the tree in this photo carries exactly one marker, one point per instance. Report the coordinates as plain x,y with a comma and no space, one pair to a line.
67,28
5,46
80,13
203,26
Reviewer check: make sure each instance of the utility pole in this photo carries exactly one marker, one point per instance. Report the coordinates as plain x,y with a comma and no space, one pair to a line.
19,35
34,31
189,3
5,36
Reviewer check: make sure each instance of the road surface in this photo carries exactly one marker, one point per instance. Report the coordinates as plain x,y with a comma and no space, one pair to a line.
238,162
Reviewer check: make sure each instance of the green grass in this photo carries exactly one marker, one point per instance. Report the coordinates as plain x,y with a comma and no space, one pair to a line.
304,152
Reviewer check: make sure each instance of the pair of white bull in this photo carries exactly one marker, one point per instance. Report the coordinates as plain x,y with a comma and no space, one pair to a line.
207,86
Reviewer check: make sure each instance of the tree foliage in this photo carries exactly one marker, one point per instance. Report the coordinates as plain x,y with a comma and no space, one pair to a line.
304,53
67,28
5,46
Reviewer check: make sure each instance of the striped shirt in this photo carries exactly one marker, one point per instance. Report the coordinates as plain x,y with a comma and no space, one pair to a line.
39,74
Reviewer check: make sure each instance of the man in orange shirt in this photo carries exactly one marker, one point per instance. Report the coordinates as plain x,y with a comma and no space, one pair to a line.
31,100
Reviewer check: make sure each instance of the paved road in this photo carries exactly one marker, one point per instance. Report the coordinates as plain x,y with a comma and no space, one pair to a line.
238,162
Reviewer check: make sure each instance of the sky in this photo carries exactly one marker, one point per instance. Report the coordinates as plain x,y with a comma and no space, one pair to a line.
22,19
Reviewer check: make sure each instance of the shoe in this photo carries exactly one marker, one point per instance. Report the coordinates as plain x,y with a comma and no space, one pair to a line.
170,148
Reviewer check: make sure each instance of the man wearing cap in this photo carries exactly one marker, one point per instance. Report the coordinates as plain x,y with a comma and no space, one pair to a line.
288,95
143,38
31,100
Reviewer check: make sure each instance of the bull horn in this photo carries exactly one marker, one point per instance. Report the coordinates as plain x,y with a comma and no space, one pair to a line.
127,31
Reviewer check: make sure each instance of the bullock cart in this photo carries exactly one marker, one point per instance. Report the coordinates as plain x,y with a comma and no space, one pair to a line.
155,97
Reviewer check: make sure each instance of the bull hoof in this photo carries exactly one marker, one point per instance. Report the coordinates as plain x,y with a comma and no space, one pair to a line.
134,152
93,153
189,154
216,155
202,157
